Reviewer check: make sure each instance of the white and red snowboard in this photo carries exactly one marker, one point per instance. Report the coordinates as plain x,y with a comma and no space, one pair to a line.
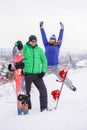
56,93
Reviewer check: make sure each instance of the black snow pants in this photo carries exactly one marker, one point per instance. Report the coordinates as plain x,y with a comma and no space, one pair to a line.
39,83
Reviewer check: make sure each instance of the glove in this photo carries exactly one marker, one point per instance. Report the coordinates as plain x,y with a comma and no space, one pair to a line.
41,24
19,45
41,75
10,67
61,25
19,65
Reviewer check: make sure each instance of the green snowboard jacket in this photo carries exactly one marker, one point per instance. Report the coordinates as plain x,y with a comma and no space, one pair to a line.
34,59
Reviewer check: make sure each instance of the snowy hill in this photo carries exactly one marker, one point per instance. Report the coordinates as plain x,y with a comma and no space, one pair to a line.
71,113
82,63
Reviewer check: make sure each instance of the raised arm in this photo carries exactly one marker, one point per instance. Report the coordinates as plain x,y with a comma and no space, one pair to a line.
60,37
43,34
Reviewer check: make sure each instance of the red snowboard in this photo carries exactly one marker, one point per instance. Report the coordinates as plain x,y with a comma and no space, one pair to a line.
22,106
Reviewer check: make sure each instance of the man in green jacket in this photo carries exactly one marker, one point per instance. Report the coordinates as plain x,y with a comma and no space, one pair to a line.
35,65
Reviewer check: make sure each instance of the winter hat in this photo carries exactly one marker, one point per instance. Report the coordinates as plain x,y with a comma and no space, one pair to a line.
53,37
32,38
17,42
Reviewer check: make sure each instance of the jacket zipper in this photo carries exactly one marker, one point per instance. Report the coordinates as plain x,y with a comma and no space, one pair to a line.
33,62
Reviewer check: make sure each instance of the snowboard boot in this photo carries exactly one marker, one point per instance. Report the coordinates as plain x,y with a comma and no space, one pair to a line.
46,109
73,88
29,104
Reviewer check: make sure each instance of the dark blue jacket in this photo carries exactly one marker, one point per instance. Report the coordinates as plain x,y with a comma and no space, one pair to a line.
52,51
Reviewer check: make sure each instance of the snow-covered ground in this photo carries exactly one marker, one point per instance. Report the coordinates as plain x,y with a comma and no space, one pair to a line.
71,113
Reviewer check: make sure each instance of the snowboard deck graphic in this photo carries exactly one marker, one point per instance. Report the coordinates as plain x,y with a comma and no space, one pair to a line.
22,108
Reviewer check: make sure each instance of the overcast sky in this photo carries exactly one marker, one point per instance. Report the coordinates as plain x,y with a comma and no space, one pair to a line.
20,18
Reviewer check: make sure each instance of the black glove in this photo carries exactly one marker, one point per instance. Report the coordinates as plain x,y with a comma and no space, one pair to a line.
19,65
41,75
61,25
19,45
41,24
10,67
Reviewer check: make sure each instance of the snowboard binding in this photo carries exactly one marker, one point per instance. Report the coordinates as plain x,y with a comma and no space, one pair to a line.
23,98
55,94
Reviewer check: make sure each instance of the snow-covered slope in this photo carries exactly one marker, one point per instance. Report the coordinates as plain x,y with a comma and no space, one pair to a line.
71,113
82,63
